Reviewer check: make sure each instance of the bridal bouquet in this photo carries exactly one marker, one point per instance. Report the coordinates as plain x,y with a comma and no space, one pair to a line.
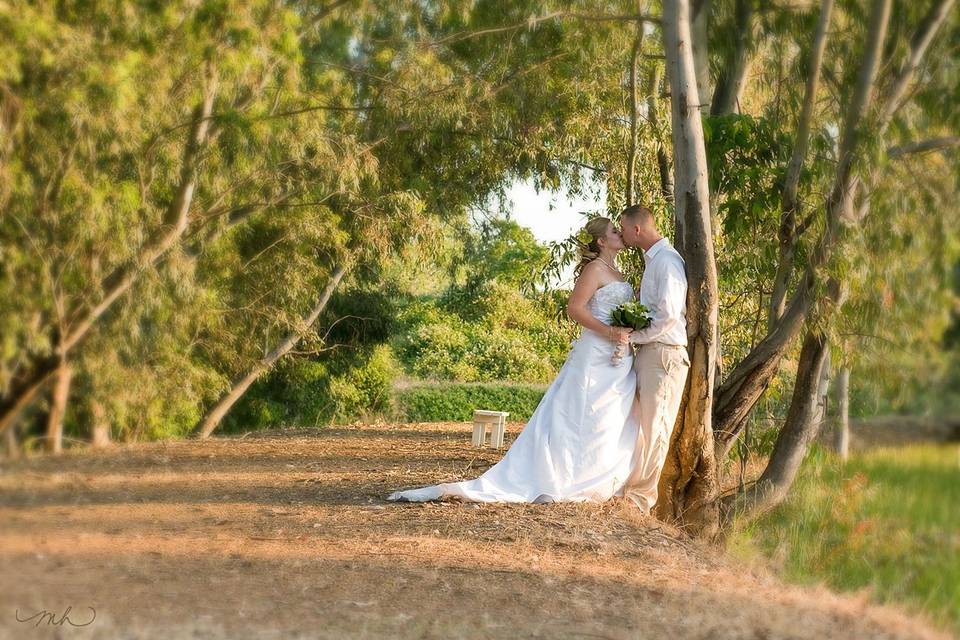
629,314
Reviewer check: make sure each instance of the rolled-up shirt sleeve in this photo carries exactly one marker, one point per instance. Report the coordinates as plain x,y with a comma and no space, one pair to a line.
668,309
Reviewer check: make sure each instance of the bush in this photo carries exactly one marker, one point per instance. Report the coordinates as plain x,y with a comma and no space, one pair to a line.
439,401
354,385
365,390
510,339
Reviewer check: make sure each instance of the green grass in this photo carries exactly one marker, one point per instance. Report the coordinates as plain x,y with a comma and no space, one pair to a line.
888,521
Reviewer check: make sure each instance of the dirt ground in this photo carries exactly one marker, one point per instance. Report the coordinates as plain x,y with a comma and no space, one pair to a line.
288,535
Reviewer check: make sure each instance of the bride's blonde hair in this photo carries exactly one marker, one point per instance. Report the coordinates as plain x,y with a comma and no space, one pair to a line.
588,241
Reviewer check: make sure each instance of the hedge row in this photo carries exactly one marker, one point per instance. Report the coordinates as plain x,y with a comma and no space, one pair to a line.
455,402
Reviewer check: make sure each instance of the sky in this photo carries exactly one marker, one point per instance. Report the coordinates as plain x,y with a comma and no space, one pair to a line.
533,210
551,215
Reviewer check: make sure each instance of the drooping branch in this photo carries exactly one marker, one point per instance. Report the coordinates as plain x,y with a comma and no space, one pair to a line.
216,414
923,146
533,21
206,233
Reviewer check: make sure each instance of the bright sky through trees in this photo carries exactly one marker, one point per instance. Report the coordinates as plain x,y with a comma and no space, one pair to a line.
552,215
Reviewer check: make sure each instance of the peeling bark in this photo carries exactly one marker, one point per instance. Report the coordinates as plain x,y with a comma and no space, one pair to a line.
688,484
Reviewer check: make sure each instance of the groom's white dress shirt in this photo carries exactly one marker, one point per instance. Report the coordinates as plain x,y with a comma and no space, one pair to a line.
663,290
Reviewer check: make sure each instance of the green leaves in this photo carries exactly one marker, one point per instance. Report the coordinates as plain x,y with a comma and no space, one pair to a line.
631,314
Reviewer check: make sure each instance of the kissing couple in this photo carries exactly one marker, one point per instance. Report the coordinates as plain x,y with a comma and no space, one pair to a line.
603,426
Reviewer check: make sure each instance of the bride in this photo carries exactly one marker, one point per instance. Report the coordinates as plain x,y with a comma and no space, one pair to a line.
579,443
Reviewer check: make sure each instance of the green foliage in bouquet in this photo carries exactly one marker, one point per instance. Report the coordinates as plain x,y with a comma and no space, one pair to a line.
631,314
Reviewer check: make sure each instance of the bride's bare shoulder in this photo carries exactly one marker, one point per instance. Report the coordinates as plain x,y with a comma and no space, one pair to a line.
588,278
591,271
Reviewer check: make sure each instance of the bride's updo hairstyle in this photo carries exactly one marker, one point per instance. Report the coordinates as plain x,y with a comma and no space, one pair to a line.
588,241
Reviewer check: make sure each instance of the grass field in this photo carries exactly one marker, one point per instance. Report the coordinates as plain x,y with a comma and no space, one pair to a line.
887,523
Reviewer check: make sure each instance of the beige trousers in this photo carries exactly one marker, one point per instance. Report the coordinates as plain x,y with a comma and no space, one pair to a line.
661,375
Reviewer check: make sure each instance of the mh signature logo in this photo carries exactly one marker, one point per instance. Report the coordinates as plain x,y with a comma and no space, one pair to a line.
50,618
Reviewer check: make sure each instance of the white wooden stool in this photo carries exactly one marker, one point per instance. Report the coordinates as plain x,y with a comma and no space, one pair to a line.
496,420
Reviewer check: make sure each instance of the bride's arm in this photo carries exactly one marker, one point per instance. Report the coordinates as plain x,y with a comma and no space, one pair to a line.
577,310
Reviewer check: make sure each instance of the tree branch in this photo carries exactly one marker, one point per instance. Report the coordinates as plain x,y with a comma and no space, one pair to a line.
919,44
922,146
535,20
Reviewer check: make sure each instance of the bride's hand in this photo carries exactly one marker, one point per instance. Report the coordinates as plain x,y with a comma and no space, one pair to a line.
620,335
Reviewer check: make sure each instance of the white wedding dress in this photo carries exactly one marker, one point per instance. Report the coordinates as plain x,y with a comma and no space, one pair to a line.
579,443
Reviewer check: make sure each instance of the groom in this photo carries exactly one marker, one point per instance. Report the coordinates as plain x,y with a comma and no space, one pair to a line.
661,363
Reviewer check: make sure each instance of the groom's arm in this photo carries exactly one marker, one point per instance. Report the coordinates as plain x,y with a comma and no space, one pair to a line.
668,307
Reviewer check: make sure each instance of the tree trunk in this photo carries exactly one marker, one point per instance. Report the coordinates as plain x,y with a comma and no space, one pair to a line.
803,418
213,418
689,483
10,443
23,389
919,44
842,424
99,426
792,442
699,41
787,234
730,83
823,392
58,408
634,117
176,221
653,114
749,379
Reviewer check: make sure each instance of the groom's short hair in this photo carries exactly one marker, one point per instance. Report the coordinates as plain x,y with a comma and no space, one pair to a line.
637,213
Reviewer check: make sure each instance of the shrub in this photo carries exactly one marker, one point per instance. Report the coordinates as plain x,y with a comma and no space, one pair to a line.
365,390
353,385
444,401
499,335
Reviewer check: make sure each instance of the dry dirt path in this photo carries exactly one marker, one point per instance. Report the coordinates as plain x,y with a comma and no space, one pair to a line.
288,535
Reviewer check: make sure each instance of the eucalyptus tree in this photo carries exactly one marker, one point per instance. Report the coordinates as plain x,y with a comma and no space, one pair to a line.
126,134
443,121
758,166
875,98
788,176
689,494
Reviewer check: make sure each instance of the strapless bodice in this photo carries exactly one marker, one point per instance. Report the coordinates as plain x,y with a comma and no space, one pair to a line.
609,297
